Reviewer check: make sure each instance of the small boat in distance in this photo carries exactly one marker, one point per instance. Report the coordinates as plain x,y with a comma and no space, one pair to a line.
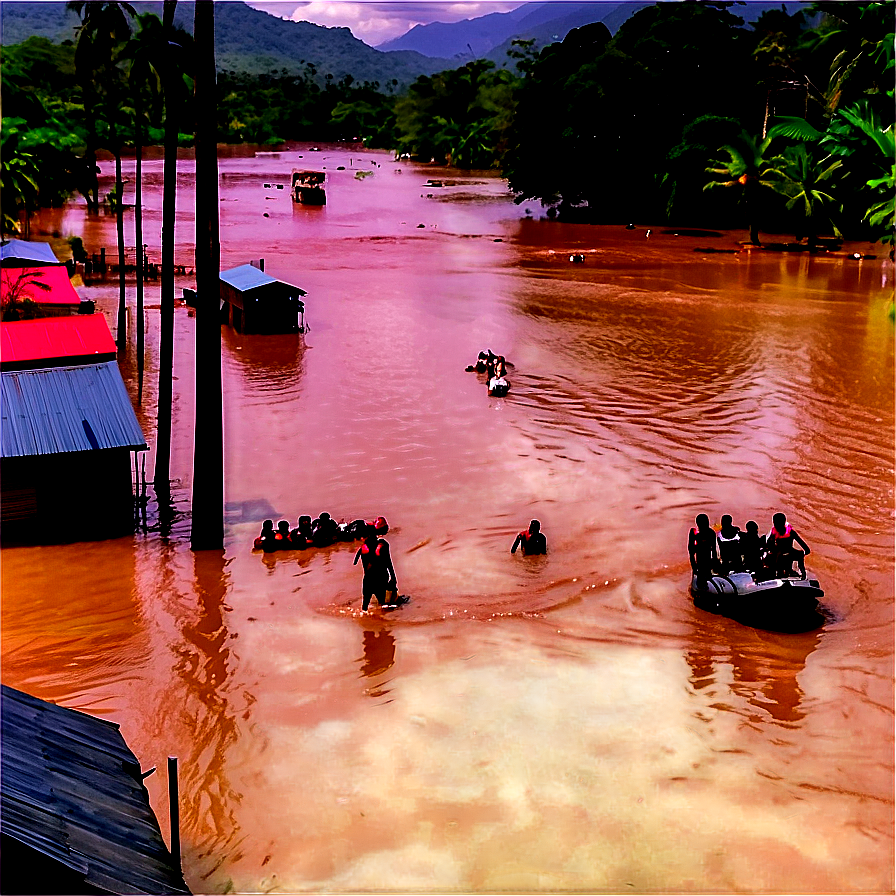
308,187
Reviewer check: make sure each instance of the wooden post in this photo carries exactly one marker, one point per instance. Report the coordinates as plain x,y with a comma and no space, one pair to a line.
174,810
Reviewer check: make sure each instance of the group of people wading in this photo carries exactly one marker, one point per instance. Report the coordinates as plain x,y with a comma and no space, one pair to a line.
308,533
376,559
734,550
495,369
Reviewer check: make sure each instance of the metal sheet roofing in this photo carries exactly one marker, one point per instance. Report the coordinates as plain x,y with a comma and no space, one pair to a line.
70,789
247,277
52,338
46,286
15,252
60,409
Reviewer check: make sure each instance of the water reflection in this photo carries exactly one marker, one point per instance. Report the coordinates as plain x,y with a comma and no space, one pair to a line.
379,652
271,363
204,665
762,668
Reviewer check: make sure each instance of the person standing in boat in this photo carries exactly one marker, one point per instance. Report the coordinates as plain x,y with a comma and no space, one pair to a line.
781,552
379,574
702,548
531,540
730,546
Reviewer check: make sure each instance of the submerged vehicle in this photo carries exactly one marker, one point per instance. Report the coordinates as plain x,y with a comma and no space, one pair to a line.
308,187
787,603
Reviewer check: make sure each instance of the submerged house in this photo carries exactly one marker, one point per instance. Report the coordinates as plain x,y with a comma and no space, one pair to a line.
254,302
30,272
48,287
75,815
67,430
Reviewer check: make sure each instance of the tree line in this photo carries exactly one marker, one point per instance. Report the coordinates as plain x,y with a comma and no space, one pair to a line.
683,116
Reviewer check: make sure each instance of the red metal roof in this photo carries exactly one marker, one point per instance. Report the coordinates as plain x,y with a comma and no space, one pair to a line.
23,342
60,292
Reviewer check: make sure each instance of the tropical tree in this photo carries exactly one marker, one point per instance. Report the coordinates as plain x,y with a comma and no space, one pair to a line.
746,172
102,38
19,176
145,52
799,175
172,82
859,37
208,459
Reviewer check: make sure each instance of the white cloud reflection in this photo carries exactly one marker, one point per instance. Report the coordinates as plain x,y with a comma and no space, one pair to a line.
376,22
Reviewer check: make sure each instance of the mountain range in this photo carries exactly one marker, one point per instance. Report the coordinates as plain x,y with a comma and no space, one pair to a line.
256,42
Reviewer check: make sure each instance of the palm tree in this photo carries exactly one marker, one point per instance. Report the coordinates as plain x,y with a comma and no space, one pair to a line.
798,175
19,177
145,51
102,37
208,460
173,85
744,171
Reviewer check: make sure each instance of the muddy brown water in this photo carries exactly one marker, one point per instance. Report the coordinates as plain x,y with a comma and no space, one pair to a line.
568,722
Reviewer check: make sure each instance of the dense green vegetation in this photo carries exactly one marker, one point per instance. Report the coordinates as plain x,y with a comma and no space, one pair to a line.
684,115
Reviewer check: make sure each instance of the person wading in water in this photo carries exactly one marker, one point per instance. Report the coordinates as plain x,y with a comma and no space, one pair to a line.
379,574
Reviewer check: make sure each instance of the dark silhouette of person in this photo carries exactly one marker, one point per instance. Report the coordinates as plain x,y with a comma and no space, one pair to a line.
281,538
324,530
730,547
302,536
781,552
265,538
752,546
379,574
702,548
531,540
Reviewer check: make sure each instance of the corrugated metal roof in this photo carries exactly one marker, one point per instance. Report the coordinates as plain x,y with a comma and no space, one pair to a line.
14,252
247,277
80,336
71,790
59,292
60,409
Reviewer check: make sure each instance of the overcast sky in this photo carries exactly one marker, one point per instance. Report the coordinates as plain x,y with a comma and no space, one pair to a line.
375,22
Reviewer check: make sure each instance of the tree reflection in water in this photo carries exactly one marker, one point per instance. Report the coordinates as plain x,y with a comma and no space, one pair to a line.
205,665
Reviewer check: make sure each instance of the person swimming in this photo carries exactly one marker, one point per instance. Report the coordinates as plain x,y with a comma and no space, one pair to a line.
265,537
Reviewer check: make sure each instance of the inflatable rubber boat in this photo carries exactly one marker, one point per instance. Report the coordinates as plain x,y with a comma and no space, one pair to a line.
778,603
497,385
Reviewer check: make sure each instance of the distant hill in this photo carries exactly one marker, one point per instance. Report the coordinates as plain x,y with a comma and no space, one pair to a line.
491,36
247,40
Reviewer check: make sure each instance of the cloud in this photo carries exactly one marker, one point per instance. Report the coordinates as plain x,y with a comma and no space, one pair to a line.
375,22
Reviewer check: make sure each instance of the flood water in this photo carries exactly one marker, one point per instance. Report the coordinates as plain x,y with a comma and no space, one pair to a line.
561,723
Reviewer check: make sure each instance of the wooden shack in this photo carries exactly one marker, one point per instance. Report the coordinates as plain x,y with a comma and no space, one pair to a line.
75,815
67,430
254,302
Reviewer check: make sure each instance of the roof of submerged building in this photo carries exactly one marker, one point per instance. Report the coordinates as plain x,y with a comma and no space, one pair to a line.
33,343
247,276
71,793
18,253
43,285
64,409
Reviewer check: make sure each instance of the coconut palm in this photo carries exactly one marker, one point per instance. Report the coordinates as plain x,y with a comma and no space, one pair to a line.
102,37
145,51
799,175
744,171
208,461
172,73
